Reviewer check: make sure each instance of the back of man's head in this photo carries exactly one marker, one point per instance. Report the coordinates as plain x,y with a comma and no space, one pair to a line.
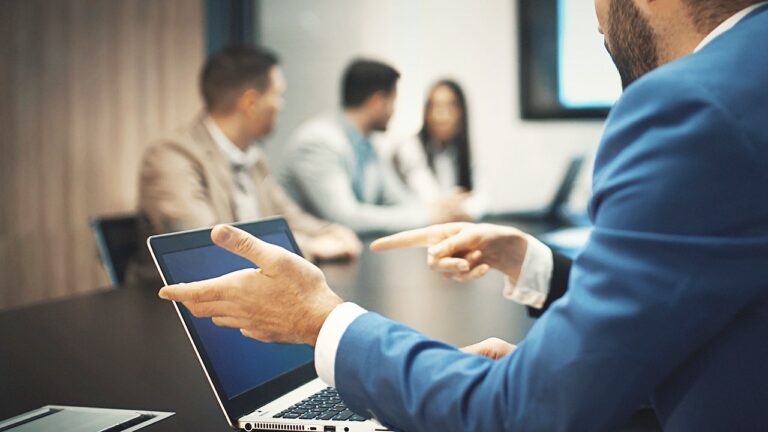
364,78
231,71
708,14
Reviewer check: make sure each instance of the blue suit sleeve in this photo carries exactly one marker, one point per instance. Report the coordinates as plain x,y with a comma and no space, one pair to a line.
677,253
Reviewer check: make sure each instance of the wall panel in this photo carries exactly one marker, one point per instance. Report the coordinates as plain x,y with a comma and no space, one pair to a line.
85,85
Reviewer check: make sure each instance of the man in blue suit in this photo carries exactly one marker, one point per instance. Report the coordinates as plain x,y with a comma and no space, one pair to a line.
667,304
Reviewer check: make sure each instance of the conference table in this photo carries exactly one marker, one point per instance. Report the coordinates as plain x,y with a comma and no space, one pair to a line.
125,348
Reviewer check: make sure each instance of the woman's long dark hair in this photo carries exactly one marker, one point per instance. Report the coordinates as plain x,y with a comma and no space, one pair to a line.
461,140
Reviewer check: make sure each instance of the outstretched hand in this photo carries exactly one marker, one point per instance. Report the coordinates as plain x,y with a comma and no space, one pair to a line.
464,251
286,300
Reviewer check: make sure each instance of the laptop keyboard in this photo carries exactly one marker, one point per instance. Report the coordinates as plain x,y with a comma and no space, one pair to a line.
323,405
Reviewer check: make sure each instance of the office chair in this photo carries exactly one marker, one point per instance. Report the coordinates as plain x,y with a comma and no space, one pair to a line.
116,241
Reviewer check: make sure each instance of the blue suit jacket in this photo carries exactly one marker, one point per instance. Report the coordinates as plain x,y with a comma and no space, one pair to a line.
667,303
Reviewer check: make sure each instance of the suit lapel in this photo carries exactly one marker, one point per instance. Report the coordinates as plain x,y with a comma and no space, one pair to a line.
219,175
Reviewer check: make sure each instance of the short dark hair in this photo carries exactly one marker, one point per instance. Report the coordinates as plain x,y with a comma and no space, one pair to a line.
708,14
363,78
232,70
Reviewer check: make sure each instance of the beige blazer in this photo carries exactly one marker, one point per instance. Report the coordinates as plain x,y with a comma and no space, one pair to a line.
185,182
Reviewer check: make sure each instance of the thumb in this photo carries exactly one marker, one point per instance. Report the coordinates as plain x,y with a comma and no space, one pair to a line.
462,242
239,242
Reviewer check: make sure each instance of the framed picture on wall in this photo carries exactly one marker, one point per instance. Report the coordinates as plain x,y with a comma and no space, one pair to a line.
565,69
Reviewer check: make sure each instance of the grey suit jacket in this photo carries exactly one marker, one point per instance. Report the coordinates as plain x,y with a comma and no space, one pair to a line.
319,171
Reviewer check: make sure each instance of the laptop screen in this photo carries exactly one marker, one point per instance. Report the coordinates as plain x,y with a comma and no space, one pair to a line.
240,364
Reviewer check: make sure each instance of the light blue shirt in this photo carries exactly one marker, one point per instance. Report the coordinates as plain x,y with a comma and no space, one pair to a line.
364,155
333,172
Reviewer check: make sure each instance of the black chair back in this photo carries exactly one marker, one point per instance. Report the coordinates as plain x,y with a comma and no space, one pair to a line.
116,241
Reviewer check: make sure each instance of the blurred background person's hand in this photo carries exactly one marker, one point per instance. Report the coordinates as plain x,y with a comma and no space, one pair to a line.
450,208
335,243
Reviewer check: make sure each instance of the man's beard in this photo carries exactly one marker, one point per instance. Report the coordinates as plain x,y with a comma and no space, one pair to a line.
380,125
634,44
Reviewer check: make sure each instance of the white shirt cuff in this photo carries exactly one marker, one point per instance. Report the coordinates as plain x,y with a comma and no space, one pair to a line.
532,287
329,339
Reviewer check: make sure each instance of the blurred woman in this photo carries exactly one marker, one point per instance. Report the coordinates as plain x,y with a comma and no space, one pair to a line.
437,162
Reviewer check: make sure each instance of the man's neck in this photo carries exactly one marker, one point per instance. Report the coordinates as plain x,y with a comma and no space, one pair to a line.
679,42
230,127
688,39
728,24
359,119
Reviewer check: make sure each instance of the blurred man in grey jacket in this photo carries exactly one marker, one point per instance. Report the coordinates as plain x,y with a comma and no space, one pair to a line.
333,171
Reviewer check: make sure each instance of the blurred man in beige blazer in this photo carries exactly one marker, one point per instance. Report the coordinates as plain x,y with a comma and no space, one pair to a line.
214,171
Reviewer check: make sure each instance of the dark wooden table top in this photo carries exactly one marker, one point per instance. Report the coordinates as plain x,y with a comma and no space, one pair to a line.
125,348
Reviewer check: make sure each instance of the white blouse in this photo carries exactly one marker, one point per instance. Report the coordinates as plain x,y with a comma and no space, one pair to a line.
412,165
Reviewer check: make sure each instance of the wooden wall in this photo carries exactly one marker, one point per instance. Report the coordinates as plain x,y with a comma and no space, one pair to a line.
84,86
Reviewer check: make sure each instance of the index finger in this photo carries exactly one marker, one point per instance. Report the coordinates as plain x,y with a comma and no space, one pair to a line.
422,237
196,292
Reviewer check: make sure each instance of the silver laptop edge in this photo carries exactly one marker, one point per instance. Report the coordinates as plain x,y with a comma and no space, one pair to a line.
189,336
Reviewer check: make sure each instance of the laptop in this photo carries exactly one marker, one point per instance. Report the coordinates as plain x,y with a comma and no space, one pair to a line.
259,386
557,209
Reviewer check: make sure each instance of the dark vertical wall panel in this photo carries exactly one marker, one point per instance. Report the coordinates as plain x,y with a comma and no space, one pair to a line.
229,22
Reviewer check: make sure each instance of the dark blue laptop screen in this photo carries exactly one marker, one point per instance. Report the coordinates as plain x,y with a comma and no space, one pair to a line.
240,363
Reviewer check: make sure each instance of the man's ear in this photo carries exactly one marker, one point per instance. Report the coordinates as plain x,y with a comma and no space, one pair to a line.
377,99
248,99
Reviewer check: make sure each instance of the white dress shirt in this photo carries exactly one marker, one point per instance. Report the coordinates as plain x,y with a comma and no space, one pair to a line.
241,162
411,162
532,286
